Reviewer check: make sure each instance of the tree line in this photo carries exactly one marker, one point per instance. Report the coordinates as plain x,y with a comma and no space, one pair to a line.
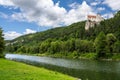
103,46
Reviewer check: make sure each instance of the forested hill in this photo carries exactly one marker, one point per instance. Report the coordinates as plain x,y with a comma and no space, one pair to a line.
46,41
63,33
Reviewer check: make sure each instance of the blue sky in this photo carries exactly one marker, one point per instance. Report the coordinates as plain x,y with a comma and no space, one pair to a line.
20,17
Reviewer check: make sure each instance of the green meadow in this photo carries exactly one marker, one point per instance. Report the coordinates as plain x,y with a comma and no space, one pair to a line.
10,70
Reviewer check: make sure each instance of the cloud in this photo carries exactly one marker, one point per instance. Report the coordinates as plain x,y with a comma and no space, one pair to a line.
108,15
100,8
78,14
6,3
47,13
13,34
43,12
74,5
94,3
2,15
114,4
28,31
18,17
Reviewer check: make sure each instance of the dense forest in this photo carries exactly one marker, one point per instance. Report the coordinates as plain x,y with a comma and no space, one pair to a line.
100,41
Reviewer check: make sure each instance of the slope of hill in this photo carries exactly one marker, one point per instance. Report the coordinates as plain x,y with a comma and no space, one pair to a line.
56,33
72,40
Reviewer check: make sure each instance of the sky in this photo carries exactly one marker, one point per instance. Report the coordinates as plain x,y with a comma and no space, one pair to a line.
20,17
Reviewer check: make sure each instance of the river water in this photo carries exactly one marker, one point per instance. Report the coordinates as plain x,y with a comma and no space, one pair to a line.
84,69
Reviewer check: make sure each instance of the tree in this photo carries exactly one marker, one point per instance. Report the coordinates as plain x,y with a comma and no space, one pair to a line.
1,43
116,47
111,39
84,46
44,47
100,45
55,47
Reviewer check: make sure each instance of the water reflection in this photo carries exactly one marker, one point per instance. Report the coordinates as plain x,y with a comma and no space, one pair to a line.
91,70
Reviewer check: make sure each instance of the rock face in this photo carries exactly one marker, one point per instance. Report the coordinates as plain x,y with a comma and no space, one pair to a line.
93,20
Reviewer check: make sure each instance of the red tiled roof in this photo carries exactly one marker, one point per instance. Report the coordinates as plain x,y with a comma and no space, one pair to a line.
91,16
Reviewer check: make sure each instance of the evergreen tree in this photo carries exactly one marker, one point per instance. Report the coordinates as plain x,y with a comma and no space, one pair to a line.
1,43
100,45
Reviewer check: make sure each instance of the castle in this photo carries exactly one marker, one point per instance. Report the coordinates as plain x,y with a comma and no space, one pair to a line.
93,20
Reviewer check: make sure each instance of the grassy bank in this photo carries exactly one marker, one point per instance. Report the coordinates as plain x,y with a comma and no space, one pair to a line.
10,70
90,56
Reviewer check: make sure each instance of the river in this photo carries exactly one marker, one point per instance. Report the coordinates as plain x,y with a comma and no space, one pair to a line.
84,69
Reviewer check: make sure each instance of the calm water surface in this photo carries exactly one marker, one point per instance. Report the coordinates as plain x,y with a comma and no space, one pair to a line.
84,69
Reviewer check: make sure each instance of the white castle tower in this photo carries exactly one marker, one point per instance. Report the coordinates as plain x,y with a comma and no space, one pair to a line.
93,20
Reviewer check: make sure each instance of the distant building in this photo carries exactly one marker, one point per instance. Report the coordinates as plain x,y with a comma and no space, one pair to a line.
93,20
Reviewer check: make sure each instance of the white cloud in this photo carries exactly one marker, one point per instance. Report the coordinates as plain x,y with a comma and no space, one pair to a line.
77,14
6,3
28,31
74,5
13,34
2,15
18,17
94,3
114,4
101,8
43,12
48,13
108,15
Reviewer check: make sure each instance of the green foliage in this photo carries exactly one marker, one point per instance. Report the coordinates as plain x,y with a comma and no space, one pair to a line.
84,46
100,45
116,47
54,47
111,39
1,43
116,57
44,46
88,56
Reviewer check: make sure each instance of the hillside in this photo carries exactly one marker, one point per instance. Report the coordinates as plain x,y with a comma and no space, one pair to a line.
63,33
70,39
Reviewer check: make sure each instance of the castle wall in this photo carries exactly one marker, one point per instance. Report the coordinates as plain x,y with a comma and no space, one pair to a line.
92,20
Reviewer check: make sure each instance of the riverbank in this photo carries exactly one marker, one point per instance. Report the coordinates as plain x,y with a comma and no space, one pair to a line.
86,56
74,55
10,70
